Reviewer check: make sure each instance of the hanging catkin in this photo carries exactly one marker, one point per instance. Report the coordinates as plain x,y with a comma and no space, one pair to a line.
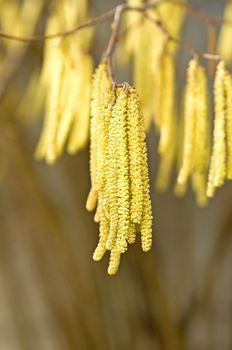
228,86
225,42
195,154
166,109
217,173
221,157
67,104
167,101
202,139
189,123
120,172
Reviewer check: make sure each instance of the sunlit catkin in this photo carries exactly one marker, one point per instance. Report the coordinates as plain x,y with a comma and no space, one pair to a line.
47,147
167,101
100,85
202,139
73,101
123,185
217,173
189,123
135,156
120,156
225,42
228,87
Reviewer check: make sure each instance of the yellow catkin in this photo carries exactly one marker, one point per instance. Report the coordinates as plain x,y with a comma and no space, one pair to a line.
133,20
202,135
91,200
166,161
217,173
224,42
131,236
72,129
111,177
99,85
135,156
180,190
189,123
114,261
47,146
104,231
147,50
123,199
146,224
167,108
143,73
123,195
68,105
80,129
97,109
228,85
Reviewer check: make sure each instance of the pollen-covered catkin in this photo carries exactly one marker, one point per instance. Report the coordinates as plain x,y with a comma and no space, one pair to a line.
166,118
66,119
136,157
202,139
100,85
217,173
122,190
167,101
189,123
47,147
195,148
228,86
166,161
225,42
145,42
123,185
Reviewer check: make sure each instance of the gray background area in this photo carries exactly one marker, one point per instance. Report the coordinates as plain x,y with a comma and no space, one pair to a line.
54,297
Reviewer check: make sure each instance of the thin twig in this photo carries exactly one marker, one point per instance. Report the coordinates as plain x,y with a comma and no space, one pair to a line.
182,44
192,10
197,12
90,23
107,57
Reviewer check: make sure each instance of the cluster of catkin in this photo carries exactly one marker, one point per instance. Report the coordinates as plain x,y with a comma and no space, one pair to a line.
153,56
207,167
119,170
166,110
145,44
196,138
19,18
66,81
221,157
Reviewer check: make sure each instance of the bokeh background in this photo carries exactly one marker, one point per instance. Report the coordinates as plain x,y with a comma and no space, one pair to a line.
52,295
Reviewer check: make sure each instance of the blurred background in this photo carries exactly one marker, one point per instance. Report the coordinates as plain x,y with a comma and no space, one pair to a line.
52,295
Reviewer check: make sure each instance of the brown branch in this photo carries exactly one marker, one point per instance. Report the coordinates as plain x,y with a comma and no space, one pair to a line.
182,44
197,12
192,10
120,9
117,13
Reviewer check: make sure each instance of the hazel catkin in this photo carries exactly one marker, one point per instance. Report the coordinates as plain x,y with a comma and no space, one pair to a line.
217,171
195,154
120,175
